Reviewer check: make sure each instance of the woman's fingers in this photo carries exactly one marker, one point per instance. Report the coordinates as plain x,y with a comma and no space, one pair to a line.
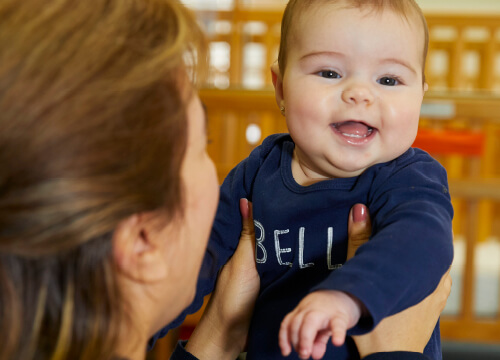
359,228
248,230
238,283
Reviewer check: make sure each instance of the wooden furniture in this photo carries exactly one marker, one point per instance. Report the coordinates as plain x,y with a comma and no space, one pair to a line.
464,49
467,325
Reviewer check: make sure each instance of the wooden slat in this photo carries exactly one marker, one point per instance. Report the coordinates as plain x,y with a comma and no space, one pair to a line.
477,330
452,20
479,106
476,189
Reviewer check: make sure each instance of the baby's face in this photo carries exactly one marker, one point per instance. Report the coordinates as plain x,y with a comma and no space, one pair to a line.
352,88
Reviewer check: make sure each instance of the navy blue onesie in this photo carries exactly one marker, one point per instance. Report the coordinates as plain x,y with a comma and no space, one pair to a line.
301,235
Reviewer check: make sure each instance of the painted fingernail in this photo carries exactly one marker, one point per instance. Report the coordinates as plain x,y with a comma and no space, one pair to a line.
244,207
359,213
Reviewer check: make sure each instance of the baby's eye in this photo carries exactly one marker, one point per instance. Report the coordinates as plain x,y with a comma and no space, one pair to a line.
329,74
389,81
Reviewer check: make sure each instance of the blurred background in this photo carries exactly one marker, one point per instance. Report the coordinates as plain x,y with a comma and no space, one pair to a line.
460,126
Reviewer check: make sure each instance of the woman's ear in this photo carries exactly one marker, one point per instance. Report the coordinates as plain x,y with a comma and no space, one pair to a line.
138,249
278,85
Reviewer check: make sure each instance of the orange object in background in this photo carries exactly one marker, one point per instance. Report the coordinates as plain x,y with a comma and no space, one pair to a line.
451,142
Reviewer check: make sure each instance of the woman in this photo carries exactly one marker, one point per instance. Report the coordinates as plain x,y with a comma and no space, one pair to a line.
104,173
107,193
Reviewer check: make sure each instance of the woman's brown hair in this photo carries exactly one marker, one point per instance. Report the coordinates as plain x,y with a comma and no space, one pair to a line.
92,130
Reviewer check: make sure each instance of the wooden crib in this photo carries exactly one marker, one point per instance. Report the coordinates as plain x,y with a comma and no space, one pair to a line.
464,49
460,126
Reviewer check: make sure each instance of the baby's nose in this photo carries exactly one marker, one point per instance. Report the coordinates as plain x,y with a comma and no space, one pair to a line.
357,94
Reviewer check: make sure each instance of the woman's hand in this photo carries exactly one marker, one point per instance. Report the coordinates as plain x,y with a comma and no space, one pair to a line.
223,329
409,330
359,228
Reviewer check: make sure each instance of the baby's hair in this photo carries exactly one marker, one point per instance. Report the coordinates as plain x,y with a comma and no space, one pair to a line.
405,8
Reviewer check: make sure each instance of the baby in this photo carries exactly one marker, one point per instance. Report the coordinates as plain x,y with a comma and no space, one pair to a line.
350,84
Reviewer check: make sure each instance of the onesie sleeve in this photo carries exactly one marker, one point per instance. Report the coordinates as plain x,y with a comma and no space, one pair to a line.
180,353
226,229
396,355
411,246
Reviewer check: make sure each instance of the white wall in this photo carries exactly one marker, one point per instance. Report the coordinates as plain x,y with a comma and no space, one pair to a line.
467,6
426,5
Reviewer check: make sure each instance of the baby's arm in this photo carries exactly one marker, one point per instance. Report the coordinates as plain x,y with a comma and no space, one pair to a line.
412,233
318,316
309,334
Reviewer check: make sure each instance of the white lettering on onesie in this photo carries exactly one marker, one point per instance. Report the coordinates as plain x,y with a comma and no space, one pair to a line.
258,244
329,251
261,249
301,250
279,250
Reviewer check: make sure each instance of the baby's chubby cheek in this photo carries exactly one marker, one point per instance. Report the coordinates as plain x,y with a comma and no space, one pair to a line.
402,125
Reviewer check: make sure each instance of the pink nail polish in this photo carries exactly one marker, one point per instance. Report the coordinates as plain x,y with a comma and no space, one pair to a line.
359,213
244,209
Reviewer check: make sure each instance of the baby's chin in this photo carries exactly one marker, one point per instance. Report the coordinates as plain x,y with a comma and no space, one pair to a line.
346,171
356,165
353,168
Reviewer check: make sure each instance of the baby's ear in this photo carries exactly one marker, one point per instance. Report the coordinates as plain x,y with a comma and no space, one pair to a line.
426,87
278,84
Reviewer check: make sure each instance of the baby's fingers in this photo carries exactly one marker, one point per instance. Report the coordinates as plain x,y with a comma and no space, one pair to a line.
338,326
294,328
319,346
312,324
284,335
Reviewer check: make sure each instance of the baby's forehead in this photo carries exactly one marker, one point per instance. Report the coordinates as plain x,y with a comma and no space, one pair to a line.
305,16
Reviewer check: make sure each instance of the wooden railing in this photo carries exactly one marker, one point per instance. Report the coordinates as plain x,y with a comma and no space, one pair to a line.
463,52
467,325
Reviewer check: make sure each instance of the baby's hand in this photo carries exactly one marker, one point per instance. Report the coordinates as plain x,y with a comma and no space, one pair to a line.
318,316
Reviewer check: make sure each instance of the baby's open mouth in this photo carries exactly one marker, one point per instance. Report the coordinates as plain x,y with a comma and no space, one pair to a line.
353,129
